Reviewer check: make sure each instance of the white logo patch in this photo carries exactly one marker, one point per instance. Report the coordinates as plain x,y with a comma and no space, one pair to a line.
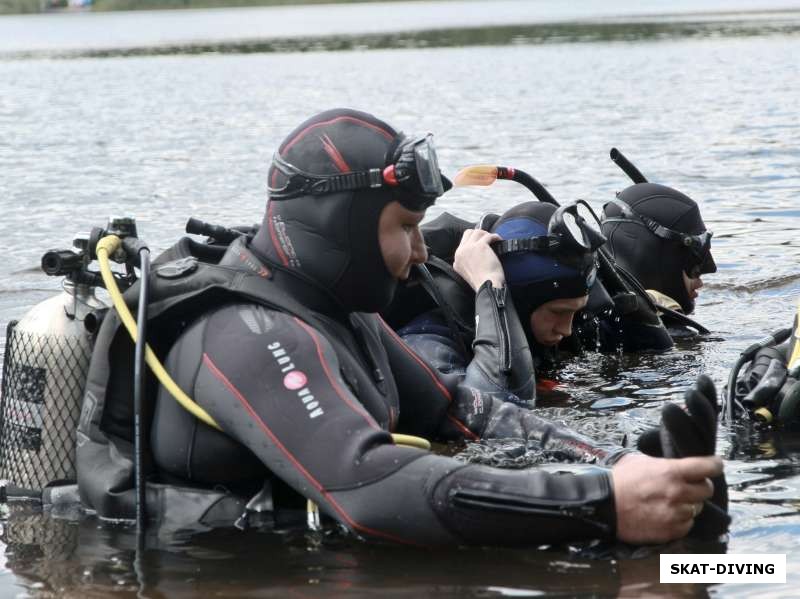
293,379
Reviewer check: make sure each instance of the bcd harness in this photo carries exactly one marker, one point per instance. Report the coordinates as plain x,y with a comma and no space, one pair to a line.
186,283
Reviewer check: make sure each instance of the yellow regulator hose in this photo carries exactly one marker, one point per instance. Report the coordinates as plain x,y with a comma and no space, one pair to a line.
107,247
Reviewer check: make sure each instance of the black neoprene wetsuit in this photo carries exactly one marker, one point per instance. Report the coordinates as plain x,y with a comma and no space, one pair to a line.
313,403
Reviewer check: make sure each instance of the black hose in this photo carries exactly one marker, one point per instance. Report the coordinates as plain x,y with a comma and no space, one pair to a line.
731,391
139,381
682,319
221,234
430,286
627,166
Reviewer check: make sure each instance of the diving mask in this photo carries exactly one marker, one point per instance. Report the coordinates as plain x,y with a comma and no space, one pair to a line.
570,240
415,171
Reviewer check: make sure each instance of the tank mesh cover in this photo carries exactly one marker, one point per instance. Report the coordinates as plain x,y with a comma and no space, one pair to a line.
42,390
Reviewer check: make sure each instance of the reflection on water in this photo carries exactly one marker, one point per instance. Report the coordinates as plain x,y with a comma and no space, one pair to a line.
54,555
165,138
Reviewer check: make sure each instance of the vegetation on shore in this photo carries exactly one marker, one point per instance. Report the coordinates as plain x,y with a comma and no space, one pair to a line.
543,33
32,6
18,6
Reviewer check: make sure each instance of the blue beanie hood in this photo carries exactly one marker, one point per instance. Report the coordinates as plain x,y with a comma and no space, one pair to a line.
536,278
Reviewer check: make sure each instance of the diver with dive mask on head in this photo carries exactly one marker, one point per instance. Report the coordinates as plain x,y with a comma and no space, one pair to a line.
660,245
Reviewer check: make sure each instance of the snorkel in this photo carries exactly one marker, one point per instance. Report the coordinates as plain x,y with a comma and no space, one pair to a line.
483,175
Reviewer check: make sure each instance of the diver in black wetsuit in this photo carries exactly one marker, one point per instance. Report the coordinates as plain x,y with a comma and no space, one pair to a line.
307,391
656,233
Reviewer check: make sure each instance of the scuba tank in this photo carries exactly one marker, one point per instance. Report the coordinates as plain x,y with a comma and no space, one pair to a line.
45,366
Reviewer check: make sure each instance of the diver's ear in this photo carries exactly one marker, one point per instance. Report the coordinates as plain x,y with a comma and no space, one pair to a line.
487,221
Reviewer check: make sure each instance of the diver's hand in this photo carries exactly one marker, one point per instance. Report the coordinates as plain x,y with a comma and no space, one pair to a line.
656,499
476,261
693,432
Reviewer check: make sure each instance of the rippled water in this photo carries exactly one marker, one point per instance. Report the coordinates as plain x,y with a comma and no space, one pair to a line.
164,138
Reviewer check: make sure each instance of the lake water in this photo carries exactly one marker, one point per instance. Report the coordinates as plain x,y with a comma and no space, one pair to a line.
707,104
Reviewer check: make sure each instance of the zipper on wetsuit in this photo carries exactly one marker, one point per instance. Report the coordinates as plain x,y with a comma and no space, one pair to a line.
474,499
477,499
502,325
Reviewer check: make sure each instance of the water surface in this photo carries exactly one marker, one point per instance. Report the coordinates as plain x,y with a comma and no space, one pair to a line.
168,137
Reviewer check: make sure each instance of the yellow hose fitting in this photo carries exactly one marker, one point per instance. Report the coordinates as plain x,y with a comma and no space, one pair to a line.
411,441
763,414
109,244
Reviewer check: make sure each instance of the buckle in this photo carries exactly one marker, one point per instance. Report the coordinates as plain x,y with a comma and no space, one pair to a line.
375,177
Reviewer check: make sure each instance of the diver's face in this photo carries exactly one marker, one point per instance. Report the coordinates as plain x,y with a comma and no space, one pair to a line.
693,285
400,239
552,321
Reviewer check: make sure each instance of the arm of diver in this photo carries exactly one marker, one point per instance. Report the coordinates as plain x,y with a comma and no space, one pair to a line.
444,404
310,429
501,360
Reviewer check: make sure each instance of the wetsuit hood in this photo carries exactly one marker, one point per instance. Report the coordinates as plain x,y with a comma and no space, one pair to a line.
657,262
535,278
333,238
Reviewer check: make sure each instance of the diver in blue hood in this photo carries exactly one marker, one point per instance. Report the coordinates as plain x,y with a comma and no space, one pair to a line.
543,255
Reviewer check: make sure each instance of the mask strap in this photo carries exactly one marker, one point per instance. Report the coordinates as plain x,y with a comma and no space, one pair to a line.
650,224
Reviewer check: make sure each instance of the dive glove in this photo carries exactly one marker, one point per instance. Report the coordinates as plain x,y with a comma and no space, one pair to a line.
691,433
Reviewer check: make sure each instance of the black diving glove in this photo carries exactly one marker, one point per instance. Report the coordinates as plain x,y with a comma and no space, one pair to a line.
691,433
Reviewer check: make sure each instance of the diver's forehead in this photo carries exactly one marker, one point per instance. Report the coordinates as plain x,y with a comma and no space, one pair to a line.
569,303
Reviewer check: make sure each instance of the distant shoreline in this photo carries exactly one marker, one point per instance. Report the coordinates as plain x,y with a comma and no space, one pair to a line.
8,7
535,34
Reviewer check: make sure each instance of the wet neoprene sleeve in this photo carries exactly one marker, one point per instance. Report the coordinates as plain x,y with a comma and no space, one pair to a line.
486,401
273,383
502,360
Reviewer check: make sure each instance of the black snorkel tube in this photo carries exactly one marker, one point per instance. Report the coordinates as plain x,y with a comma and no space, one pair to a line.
486,175
523,178
627,166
